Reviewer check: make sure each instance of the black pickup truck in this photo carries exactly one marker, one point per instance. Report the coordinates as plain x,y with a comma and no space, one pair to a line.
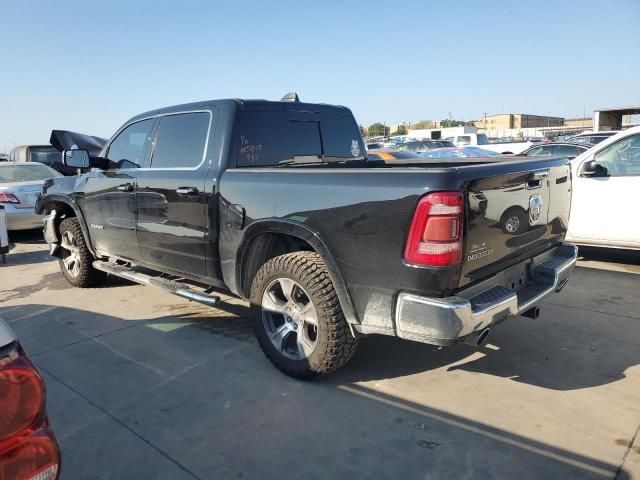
278,203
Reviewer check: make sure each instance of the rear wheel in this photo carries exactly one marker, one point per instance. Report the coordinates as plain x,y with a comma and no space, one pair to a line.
515,221
298,320
76,260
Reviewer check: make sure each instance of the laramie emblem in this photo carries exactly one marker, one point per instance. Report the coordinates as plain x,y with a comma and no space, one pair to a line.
535,208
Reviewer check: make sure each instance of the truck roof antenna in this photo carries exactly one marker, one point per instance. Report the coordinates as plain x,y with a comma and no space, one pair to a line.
290,97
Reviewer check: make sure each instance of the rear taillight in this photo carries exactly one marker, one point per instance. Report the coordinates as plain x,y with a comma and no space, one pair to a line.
21,396
35,457
435,236
28,450
8,198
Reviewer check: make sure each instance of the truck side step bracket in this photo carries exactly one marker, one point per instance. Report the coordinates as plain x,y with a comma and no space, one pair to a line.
170,286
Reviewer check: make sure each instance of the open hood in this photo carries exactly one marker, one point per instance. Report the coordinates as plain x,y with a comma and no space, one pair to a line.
66,140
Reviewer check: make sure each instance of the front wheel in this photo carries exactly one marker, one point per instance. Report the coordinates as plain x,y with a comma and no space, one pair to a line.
76,260
297,316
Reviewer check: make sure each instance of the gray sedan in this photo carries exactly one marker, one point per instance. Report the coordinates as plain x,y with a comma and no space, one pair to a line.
20,186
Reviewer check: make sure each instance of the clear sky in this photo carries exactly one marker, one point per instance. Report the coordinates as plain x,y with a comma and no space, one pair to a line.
88,66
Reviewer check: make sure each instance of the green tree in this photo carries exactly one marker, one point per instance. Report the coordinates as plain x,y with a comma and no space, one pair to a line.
451,123
402,130
422,124
376,130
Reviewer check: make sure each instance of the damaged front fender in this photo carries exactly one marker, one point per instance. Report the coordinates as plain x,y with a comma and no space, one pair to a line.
50,233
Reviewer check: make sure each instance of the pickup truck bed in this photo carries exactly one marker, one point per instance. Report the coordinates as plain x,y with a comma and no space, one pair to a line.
363,224
284,209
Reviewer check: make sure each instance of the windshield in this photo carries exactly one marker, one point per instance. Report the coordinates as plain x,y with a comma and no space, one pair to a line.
25,173
48,156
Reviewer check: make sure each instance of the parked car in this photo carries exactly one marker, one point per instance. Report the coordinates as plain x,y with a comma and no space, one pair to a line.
28,447
424,145
606,181
569,150
455,152
277,203
481,140
391,154
592,138
20,186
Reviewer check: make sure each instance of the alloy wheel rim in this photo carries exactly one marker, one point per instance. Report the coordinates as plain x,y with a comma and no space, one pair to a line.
290,318
72,260
513,224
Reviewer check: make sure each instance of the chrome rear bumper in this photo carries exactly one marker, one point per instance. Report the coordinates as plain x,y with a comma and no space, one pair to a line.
446,321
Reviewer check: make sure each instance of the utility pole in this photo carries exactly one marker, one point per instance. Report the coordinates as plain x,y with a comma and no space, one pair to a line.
485,122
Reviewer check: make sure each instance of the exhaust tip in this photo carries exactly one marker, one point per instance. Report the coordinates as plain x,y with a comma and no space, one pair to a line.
478,339
482,338
533,312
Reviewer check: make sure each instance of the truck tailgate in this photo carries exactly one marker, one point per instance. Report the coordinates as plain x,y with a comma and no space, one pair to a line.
512,217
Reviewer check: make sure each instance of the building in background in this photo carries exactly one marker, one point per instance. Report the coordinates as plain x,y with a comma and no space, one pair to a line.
510,121
615,118
584,123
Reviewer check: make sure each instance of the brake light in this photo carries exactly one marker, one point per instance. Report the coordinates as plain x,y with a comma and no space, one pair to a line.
34,458
28,450
21,396
435,236
8,198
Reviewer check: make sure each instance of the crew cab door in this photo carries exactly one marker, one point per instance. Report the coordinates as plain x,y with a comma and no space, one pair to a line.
171,198
603,209
109,204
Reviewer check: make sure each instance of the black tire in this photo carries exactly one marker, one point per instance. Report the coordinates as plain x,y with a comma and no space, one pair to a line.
514,221
76,263
334,343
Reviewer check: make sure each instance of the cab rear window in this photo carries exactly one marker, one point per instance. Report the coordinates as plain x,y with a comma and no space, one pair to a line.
268,138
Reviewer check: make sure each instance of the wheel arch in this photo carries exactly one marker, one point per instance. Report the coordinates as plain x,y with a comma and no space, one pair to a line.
65,207
266,239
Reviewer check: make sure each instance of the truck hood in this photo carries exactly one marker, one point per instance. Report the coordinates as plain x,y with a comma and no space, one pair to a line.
66,140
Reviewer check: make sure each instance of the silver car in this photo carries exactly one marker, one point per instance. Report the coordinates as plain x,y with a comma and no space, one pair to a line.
20,186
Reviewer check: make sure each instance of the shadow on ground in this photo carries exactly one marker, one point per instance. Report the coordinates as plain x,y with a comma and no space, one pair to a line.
214,407
26,236
612,255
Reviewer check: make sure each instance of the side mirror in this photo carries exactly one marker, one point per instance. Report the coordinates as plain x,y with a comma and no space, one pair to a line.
592,168
76,158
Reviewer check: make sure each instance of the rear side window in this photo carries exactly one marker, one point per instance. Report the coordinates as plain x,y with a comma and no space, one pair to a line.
268,138
341,137
181,140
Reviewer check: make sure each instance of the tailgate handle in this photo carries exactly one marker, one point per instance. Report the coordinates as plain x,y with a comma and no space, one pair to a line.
533,180
538,175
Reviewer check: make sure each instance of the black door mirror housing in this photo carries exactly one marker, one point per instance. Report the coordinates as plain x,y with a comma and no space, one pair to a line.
76,158
593,169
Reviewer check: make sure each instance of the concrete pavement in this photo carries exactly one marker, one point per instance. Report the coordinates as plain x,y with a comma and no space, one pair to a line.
143,384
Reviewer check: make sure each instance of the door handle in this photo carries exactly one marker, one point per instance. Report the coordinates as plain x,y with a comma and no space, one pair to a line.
187,191
127,187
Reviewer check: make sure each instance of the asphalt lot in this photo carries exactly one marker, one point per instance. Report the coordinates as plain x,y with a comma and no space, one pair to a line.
143,384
